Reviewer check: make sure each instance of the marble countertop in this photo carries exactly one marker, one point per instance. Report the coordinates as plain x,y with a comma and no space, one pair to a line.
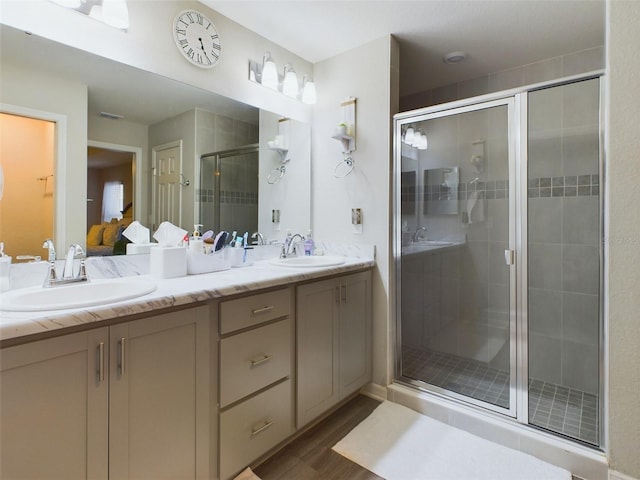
17,327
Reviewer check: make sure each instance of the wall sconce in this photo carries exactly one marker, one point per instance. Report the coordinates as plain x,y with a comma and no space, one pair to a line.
111,12
345,133
266,74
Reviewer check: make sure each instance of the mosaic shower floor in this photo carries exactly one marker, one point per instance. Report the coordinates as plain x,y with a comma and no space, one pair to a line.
553,407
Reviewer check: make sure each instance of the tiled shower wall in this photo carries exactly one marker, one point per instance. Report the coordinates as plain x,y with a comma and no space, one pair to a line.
564,234
457,301
239,174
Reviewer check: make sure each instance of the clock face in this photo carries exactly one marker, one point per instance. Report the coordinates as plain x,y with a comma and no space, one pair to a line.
197,38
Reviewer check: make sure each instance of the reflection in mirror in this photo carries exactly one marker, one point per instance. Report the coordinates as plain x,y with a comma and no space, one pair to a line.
150,111
229,190
441,191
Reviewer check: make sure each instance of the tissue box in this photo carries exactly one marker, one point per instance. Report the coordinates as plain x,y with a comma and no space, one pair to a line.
138,248
168,262
198,263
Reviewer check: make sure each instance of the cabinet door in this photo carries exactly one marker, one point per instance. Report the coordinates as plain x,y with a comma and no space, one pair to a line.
54,408
317,349
159,397
355,332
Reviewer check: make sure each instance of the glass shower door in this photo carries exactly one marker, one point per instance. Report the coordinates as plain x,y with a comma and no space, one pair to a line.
564,259
456,241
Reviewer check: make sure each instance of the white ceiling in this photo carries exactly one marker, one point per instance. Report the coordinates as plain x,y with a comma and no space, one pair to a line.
496,34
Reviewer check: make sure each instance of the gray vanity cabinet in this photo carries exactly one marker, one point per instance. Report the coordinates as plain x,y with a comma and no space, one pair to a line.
333,342
256,377
120,402
159,397
54,408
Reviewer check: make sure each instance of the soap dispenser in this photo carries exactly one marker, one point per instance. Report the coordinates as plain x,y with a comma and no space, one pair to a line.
309,245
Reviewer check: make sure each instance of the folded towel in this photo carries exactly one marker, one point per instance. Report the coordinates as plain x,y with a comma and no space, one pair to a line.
476,205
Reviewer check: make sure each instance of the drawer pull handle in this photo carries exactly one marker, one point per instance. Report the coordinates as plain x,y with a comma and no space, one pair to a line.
256,431
101,362
258,311
123,358
266,358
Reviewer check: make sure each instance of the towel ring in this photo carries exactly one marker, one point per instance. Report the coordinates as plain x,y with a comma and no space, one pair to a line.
345,167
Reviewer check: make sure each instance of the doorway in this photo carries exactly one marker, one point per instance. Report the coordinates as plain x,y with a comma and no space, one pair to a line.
27,156
498,255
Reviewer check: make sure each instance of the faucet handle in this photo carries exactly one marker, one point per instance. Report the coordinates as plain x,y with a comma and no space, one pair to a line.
48,243
77,251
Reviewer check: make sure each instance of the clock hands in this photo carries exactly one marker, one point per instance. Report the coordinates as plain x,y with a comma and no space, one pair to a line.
203,50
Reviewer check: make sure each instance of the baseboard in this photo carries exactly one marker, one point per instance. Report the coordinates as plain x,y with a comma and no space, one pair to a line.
613,475
375,391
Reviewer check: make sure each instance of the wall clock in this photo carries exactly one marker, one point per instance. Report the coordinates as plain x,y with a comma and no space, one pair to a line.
197,38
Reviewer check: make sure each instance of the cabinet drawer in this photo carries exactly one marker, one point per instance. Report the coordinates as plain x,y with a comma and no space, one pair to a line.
249,311
252,360
253,427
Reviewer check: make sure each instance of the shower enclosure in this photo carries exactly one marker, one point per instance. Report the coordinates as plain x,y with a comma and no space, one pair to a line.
228,195
498,254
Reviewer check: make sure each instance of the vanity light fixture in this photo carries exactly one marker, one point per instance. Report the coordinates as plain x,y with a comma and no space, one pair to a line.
266,74
415,138
110,12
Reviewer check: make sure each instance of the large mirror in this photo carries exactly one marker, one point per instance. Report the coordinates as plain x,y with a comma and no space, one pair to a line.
122,129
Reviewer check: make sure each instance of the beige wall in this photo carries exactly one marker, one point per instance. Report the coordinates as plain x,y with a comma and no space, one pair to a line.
68,100
623,235
366,73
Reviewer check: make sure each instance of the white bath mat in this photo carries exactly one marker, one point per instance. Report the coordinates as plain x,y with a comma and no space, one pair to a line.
397,443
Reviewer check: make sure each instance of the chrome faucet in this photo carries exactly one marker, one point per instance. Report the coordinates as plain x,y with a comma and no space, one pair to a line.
259,238
52,279
286,247
417,236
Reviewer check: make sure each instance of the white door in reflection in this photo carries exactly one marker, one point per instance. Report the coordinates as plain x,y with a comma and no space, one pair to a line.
167,191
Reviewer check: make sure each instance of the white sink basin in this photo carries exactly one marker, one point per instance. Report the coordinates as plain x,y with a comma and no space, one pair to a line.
75,295
306,262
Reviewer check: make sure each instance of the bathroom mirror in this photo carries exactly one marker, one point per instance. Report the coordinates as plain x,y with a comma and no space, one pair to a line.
441,191
155,111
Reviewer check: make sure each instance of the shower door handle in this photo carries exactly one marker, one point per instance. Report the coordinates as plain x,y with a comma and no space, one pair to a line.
510,257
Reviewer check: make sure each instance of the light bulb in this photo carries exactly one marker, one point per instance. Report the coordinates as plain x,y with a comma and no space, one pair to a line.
290,82
416,139
409,136
309,92
269,72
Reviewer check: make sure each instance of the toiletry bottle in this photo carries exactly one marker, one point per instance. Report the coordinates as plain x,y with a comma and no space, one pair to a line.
309,245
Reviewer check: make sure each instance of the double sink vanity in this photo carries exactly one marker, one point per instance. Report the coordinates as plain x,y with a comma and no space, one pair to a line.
196,378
